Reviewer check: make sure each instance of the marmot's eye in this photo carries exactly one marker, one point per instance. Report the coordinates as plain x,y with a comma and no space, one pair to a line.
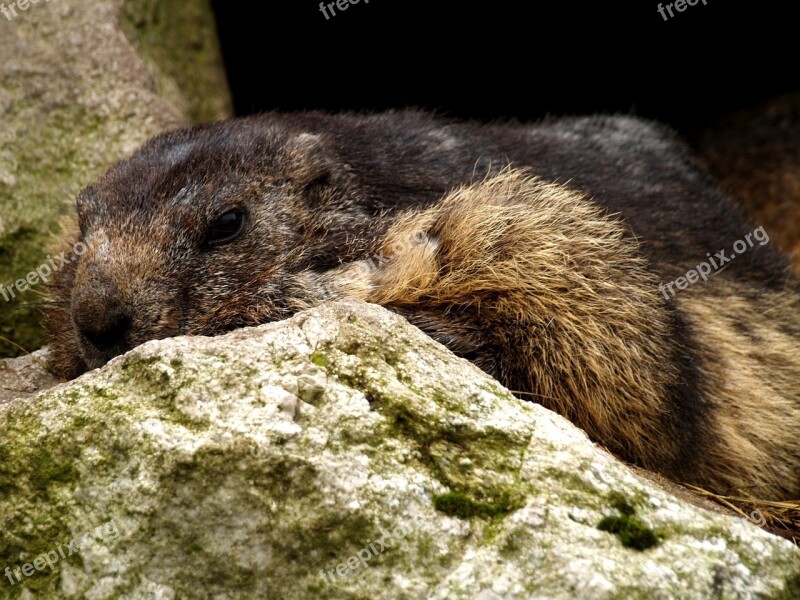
227,227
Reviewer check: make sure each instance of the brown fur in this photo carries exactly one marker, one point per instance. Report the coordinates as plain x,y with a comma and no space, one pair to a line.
589,338
752,365
755,155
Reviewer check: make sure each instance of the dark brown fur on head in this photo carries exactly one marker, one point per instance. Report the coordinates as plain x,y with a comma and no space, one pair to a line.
552,289
150,272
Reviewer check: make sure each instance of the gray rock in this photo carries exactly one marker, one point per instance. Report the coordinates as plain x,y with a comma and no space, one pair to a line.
21,378
82,84
342,441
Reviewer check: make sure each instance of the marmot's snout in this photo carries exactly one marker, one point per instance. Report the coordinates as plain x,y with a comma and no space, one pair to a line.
103,322
122,294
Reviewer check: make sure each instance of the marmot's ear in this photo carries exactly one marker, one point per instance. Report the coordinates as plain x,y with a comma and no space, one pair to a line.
310,160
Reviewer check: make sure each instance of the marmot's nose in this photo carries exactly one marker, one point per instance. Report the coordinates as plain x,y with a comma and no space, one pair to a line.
104,326
107,330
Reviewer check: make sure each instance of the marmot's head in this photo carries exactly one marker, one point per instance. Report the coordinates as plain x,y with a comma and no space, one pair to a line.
200,232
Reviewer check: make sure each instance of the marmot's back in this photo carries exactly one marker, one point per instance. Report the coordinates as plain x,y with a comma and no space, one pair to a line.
582,289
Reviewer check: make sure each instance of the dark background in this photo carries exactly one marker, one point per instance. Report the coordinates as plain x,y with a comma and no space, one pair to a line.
494,60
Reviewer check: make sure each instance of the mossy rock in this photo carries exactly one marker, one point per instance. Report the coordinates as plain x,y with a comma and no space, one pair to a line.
341,454
83,85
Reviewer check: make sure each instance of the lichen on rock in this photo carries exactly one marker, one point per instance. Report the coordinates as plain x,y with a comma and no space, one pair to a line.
342,454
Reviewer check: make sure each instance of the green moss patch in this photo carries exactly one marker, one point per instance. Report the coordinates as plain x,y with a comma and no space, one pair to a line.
621,503
319,359
791,589
462,506
631,532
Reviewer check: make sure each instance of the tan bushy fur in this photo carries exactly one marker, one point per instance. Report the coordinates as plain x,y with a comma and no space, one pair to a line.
752,366
553,298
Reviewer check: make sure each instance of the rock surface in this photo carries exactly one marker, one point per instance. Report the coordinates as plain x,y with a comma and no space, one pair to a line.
22,377
82,84
341,454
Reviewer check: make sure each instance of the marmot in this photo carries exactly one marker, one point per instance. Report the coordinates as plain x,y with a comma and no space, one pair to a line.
561,276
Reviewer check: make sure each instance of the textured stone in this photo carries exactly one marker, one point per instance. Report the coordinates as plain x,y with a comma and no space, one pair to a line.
21,378
243,466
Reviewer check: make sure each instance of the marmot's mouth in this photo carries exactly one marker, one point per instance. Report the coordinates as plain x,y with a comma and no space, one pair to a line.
111,335
103,337
96,357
